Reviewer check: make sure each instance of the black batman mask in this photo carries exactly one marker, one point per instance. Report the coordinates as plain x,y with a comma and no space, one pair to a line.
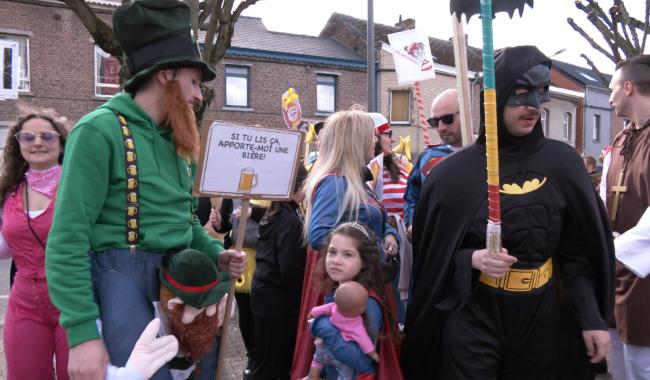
532,88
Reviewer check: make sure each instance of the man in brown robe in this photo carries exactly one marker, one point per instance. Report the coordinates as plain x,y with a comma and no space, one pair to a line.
627,184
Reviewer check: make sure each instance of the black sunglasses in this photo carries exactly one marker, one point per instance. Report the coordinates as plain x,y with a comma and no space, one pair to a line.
447,119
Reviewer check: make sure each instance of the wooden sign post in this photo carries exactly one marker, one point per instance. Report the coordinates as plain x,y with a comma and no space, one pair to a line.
462,81
245,162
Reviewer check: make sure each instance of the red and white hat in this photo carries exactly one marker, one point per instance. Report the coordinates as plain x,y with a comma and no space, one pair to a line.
381,123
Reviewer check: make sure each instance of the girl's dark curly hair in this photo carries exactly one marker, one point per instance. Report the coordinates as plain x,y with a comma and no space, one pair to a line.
371,275
14,165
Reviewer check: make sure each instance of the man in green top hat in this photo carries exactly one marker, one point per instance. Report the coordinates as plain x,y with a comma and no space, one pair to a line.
125,196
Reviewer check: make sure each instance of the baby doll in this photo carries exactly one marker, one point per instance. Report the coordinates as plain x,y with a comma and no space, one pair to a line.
345,313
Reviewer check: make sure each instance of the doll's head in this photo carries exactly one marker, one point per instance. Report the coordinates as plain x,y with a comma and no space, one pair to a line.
190,288
351,298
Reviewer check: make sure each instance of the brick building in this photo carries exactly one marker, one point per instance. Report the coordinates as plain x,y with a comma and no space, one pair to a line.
62,68
59,60
262,64
599,123
398,103
569,128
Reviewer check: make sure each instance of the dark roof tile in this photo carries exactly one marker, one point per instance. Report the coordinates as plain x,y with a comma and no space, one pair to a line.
250,33
581,74
443,51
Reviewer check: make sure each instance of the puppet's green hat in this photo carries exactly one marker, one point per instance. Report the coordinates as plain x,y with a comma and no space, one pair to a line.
155,35
194,278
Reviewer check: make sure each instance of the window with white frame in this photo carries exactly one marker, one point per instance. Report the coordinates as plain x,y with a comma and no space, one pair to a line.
325,93
9,62
23,58
596,131
568,125
237,86
545,118
400,107
107,74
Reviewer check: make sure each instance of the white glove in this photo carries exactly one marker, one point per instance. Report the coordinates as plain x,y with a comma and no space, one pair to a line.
151,353
123,373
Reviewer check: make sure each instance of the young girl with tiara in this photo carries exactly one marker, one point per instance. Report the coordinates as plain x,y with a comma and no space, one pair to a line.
352,255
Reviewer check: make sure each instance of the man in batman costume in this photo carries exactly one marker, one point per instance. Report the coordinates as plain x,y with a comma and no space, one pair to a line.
553,295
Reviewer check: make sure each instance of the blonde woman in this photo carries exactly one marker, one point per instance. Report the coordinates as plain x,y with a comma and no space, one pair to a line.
337,192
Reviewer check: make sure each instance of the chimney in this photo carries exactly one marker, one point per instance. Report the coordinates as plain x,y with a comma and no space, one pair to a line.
407,24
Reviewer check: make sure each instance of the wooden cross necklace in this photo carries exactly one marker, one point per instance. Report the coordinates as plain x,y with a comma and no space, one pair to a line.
618,189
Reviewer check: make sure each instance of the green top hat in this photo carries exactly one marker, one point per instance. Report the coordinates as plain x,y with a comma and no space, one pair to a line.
193,277
155,35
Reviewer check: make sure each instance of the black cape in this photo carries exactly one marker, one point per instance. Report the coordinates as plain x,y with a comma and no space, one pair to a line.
451,198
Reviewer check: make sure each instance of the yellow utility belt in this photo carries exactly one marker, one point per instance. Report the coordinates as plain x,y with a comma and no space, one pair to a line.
521,280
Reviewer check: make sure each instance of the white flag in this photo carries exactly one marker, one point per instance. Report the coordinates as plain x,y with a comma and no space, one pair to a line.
412,55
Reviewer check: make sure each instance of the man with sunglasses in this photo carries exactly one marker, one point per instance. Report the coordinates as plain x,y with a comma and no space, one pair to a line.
444,119
125,201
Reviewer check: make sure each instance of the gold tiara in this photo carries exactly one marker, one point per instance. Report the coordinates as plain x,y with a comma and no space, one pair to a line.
356,226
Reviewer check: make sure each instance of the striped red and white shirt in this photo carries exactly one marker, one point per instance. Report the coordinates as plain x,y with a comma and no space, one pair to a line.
394,192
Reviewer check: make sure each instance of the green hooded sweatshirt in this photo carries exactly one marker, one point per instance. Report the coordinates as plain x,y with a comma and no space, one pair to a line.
91,202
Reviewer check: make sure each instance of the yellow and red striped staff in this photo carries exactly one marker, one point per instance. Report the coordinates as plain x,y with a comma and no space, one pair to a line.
470,7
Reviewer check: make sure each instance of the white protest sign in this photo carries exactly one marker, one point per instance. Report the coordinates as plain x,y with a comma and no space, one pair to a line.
10,66
412,56
239,161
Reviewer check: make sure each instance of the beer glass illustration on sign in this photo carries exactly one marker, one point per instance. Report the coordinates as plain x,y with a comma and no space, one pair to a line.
247,180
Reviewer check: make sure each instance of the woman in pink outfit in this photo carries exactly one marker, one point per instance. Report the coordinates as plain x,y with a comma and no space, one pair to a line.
32,334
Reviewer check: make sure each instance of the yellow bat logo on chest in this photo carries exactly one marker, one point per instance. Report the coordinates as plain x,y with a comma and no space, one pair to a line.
528,187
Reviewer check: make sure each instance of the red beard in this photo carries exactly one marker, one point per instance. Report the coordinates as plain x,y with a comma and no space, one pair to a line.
180,118
197,338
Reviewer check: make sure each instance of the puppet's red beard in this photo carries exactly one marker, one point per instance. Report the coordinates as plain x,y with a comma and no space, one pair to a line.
197,338
180,118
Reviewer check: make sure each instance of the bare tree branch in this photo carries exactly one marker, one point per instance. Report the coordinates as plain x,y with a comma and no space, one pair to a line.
600,75
625,20
593,8
101,32
206,7
216,17
243,5
610,34
591,41
623,41
624,34
225,31
646,26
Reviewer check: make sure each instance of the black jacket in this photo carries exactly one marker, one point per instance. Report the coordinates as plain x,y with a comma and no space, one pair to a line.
280,260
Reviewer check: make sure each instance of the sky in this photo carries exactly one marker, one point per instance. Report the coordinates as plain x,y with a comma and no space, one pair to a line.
544,25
